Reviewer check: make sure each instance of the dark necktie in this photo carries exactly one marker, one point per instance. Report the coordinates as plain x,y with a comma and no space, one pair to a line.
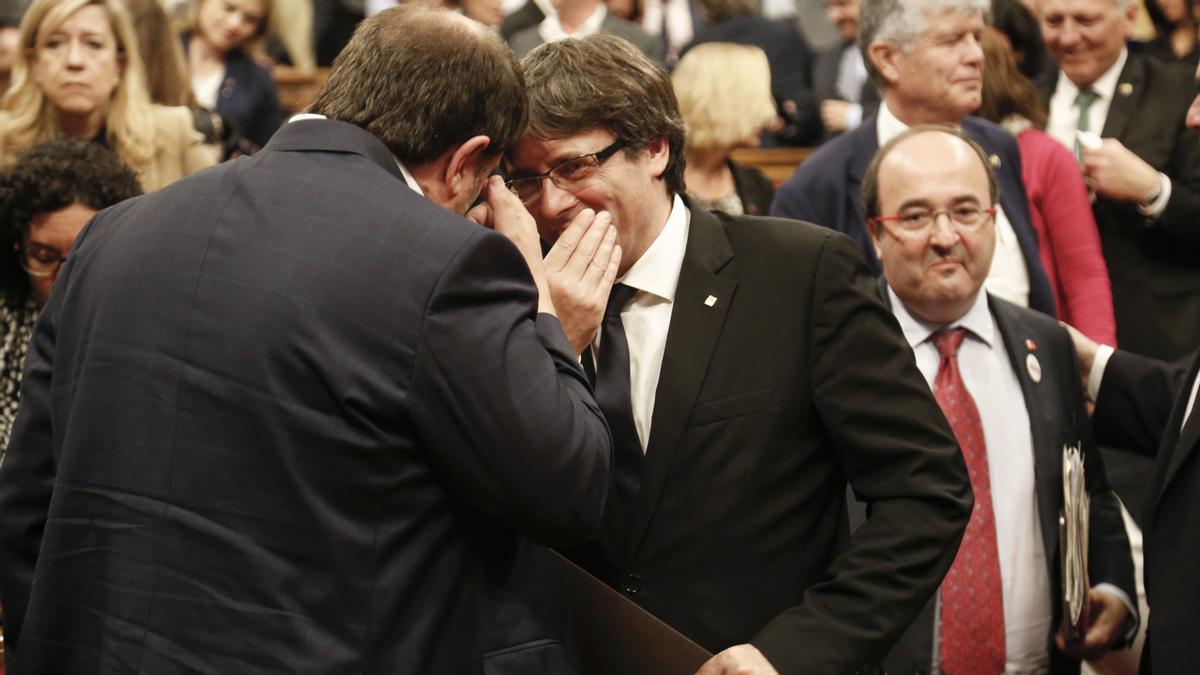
1084,102
971,629
613,386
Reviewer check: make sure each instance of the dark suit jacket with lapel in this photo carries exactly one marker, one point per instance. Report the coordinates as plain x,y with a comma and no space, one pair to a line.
284,416
825,191
795,380
825,76
1141,406
1154,265
1057,417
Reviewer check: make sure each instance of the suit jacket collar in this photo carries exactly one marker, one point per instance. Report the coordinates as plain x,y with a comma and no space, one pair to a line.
866,144
696,324
325,135
1046,428
1125,99
1179,443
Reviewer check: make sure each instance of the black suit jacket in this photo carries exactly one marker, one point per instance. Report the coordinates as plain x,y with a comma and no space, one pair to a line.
1057,417
825,75
825,190
1140,406
792,381
527,16
1154,264
286,415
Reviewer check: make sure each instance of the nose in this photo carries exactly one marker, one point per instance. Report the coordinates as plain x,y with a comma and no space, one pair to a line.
1067,34
554,200
943,233
74,54
973,52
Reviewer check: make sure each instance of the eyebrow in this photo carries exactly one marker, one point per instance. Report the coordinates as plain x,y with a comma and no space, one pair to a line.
924,203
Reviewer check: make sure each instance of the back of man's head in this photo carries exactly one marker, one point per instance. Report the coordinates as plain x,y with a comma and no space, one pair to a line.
424,80
603,81
901,22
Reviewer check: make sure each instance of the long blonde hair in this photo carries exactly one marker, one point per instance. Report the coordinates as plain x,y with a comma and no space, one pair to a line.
28,117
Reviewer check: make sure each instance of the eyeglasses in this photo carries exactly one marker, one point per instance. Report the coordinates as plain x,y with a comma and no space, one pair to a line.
567,174
919,221
39,261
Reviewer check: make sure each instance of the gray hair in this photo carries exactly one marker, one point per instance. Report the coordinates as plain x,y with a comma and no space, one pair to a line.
901,22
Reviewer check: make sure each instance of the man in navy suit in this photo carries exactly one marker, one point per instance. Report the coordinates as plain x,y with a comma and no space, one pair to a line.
291,414
1007,379
926,59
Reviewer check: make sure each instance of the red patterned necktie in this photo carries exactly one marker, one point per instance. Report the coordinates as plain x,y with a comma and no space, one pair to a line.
971,629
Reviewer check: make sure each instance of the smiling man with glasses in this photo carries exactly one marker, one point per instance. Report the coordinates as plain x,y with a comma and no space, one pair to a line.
1007,380
748,371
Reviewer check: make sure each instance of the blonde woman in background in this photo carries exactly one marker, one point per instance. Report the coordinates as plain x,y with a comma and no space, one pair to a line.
78,74
724,93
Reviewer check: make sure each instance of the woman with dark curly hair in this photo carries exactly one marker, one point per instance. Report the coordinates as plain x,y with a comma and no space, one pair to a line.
46,198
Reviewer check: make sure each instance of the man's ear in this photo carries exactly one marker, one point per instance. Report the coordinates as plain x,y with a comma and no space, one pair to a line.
659,154
883,56
874,229
1130,19
465,159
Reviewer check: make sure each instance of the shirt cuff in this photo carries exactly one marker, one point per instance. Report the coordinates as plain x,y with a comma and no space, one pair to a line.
1155,208
1103,354
853,116
1131,624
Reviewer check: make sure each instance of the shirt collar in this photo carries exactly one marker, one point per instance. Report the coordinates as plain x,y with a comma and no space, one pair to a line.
887,125
551,29
408,177
1104,86
978,321
657,271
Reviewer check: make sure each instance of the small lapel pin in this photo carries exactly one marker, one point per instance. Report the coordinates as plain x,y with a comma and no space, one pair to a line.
1034,367
710,301
1030,345
1126,88
995,161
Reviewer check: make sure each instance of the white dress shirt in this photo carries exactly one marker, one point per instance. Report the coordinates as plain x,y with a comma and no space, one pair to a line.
852,75
988,375
675,16
648,316
1064,120
551,29
1009,275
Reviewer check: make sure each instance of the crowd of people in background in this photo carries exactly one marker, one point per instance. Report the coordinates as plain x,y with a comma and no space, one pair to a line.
1067,123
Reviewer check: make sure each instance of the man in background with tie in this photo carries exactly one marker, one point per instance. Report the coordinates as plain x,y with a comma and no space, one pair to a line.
1006,378
1145,174
748,371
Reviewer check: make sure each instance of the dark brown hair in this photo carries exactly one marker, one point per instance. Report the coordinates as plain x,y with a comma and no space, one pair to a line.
425,80
603,81
1005,90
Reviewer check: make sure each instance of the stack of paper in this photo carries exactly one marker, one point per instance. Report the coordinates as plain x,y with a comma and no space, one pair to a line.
1073,524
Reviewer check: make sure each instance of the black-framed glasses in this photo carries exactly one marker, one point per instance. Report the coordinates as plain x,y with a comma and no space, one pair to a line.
40,261
567,174
919,221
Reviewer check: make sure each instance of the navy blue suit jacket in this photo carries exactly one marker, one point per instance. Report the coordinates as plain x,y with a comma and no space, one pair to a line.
825,191
286,415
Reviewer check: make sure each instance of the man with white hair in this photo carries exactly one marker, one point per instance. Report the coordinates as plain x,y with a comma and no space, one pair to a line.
925,57
1145,172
